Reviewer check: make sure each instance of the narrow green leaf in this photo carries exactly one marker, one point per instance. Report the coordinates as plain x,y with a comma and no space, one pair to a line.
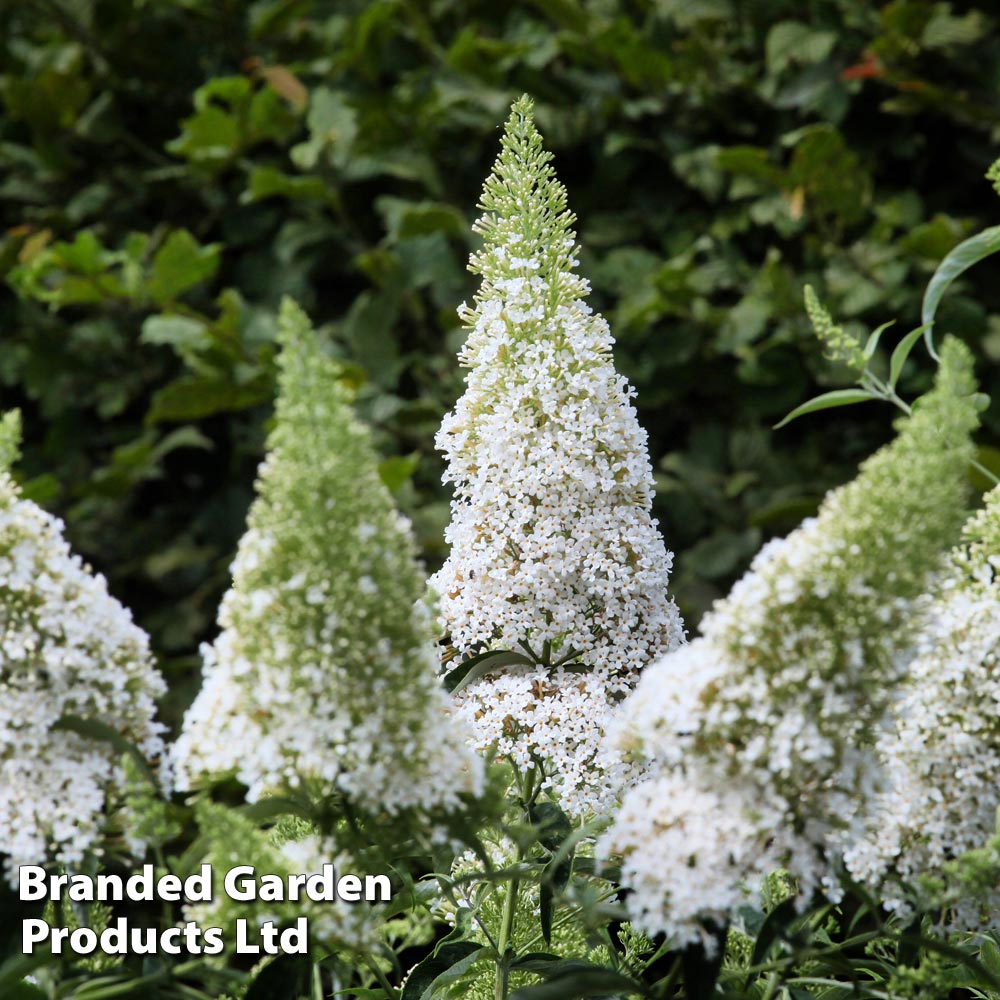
411,898
959,260
901,353
774,927
193,397
546,908
701,972
574,977
872,343
838,397
283,977
989,955
273,807
478,666
451,961
92,729
553,824
535,961
25,991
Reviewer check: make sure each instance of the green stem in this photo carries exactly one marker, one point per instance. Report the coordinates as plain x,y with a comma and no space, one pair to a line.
816,981
983,471
672,976
526,789
772,986
390,990
503,945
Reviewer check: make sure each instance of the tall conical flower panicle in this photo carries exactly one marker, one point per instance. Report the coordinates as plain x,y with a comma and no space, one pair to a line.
324,671
760,731
943,755
68,652
554,550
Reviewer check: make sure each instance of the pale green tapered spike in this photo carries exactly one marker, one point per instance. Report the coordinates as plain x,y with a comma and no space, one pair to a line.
10,439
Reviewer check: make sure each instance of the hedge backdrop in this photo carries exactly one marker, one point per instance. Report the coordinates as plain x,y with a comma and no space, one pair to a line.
170,168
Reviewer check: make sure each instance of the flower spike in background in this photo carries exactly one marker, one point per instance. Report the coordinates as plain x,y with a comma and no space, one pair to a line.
942,756
323,676
72,665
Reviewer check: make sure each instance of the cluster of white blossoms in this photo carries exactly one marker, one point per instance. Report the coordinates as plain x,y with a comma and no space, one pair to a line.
760,732
68,652
554,552
943,755
324,673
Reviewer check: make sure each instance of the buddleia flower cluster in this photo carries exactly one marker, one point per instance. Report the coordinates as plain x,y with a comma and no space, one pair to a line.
69,654
943,755
323,676
760,731
554,552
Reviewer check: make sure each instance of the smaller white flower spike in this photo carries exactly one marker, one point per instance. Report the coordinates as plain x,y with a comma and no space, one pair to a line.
760,733
554,551
943,756
67,649
324,673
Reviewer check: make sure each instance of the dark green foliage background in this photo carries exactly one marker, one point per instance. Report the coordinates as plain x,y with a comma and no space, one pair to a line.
170,168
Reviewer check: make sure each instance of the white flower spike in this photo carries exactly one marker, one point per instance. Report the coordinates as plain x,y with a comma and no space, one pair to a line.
554,551
68,650
324,674
760,733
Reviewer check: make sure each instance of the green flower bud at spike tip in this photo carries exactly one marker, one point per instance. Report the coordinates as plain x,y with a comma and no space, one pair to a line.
839,346
942,757
324,672
71,654
993,175
554,551
10,439
760,732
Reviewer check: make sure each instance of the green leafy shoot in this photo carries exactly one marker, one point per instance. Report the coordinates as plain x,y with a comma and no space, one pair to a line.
847,349
843,347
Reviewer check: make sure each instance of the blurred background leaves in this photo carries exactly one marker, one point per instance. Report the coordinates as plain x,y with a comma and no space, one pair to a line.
170,168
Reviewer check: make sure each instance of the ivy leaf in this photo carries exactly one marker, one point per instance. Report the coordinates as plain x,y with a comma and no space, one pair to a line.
397,470
180,264
190,398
